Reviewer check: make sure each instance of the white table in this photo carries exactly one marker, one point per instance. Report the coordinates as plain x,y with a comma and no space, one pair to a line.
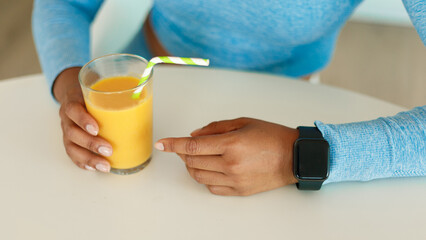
44,196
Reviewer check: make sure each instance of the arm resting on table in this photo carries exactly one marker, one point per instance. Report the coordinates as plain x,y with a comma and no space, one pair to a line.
382,148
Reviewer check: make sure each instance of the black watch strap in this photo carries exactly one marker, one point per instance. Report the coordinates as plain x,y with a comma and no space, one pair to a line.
309,132
308,185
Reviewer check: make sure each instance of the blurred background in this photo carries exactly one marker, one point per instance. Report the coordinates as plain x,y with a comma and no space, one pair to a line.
378,52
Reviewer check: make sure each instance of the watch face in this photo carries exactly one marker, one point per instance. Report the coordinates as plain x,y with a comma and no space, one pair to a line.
311,159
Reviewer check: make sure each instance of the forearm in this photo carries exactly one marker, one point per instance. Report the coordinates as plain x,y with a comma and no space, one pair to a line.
386,147
61,34
417,11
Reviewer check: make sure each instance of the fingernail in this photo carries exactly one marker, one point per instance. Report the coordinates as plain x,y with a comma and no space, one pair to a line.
195,131
103,167
89,168
106,151
91,129
159,146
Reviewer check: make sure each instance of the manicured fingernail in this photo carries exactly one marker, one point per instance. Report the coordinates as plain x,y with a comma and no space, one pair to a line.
195,131
91,129
159,146
103,167
89,168
106,151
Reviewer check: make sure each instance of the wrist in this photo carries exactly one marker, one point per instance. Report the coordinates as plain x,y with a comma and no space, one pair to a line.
294,137
289,136
66,83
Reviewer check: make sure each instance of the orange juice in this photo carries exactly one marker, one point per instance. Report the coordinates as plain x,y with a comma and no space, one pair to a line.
124,122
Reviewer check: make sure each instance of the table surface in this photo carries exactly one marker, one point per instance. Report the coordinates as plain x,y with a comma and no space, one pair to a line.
44,196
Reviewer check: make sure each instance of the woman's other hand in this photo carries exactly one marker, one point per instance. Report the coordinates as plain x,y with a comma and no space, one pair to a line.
80,130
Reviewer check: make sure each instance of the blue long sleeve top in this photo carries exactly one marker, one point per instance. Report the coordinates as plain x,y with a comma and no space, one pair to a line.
292,38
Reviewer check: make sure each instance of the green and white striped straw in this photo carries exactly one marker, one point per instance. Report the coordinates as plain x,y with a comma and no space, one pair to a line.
171,60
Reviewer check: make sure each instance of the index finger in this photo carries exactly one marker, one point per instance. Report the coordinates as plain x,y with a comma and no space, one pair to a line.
203,145
78,114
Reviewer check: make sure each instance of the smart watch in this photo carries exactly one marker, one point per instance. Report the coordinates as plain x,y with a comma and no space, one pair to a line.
310,159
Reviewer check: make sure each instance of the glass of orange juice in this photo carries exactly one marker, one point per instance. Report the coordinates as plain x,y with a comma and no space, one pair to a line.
108,83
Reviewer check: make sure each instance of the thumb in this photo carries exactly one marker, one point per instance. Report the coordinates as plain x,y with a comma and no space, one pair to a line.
220,127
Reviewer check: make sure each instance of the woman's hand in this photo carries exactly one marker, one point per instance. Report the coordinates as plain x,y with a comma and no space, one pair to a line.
79,128
237,157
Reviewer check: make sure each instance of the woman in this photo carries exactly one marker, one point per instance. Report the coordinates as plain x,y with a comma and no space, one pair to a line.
242,156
